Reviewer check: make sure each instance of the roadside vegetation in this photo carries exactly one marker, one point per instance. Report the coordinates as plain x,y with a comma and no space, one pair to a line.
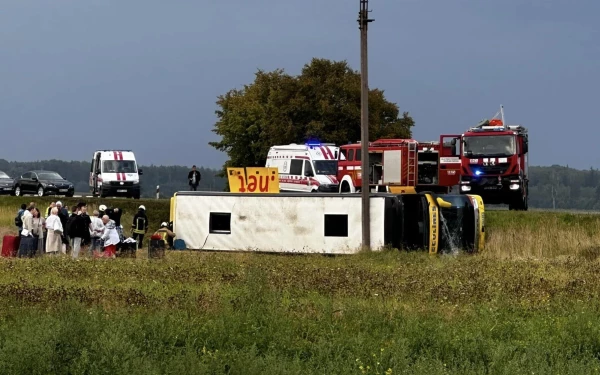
528,304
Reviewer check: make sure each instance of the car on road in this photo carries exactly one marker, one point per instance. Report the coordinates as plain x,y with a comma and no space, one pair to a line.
43,183
6,183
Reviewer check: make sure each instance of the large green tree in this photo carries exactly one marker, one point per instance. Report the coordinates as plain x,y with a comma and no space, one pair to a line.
323,102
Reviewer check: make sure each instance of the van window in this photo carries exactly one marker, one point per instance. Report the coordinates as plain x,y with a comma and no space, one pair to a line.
296,167
119,166
308,168
327,167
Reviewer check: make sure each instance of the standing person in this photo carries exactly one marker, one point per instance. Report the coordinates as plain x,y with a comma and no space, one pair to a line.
54,226
76,228
96,229
19,218
50,207
110,237
115,215
87,224
38,231
63,215
139,227
194,178
27,239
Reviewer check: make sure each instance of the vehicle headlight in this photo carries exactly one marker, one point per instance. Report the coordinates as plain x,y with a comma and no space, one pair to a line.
514,186
136,182
465,188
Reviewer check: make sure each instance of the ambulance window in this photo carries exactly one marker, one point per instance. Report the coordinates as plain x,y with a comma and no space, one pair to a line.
308,168
296,167
336,225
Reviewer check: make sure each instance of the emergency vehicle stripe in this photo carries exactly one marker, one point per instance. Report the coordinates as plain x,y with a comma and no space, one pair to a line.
118,177
323,152
303,157
329,152
123,176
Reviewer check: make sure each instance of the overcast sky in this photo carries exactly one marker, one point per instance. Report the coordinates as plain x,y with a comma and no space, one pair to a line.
76,76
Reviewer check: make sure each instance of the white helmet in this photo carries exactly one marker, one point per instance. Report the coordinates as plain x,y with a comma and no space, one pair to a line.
102,207
164,224
142,207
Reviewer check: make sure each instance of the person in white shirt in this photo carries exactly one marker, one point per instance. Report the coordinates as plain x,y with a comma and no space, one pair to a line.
110,237
96,230
26,247
54,226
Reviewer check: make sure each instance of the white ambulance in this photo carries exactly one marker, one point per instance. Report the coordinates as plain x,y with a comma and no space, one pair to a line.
114,173
311,167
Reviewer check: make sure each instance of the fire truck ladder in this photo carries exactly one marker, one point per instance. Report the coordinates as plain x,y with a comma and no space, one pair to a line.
412,164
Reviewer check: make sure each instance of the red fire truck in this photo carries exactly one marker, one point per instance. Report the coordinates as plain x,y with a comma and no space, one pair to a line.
494,163
401,166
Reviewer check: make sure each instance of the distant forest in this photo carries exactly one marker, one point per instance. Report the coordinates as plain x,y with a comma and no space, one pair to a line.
550,187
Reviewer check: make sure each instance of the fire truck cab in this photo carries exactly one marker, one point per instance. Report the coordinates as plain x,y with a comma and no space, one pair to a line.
401,166
494,163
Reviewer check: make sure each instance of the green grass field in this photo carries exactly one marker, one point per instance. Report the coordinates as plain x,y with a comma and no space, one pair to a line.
528,304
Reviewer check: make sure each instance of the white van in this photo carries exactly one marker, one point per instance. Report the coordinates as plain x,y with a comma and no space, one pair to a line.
311,167
114,173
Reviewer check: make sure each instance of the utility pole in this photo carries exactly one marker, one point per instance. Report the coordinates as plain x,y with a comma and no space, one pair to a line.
363,21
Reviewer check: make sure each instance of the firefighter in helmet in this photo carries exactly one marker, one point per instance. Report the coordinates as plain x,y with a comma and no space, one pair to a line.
139,227
165,234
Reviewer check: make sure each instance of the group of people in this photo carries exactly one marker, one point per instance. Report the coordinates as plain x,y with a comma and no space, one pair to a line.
62,231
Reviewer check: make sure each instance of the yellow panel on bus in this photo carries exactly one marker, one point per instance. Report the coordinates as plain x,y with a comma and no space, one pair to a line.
434,220
480,229
253,180
402,189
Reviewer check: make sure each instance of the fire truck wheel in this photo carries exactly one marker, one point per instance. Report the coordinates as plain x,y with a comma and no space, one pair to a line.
345,187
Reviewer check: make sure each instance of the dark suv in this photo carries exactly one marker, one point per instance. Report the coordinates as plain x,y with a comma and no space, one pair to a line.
43,183
6,184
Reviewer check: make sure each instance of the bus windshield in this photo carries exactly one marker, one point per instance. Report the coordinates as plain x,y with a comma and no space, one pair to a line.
119,166
327,167
492,145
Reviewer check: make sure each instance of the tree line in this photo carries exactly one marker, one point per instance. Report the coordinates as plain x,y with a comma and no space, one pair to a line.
558,187
170,178
561,187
